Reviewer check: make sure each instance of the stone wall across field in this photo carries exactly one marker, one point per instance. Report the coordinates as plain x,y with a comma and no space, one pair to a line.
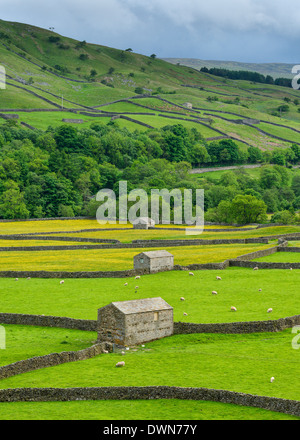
50,360
48,321
150,393
278,325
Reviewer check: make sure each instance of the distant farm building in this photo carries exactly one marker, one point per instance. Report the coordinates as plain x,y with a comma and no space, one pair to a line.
188,105
135,322
143,223
154,261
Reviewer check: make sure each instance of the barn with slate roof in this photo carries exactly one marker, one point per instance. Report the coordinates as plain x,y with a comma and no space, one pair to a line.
135,322
154,261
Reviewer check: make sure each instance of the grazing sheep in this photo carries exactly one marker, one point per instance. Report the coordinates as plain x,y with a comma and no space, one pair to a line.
120,364
259,290
29,278
62,282
137,277
270,310
105,351
17,279
233,309
126,284
219,278
123,352
185,314
127,348
191,274
214,292
182,299
255,268
136,287
143,346
272,379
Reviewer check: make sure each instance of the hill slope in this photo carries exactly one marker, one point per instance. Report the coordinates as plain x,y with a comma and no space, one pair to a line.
56,77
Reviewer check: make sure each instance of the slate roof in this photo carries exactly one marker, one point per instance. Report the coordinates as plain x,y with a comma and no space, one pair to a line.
142,305
157,254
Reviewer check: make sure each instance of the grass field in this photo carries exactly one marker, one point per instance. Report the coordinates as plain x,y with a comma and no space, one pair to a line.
281,257
135,410
23,342
116,259
80,298
242,363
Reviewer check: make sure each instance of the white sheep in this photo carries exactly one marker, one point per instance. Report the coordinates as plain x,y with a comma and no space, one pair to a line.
137,277
17,279
182,299
259,290
191,274
104,351
214,292
185,314
270,310
136,287
219,278
120,364
233,309
62,282
255,268
126,284
29,278
272,379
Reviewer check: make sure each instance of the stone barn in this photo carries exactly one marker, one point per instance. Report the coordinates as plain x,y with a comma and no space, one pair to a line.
135,322
154,261
188,105
144,223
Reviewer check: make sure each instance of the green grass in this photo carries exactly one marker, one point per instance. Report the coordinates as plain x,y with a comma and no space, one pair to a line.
135,410
281,257
116,259
241,363
80,298
23,342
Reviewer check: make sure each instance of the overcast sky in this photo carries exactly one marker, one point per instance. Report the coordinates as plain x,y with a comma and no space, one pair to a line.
232,30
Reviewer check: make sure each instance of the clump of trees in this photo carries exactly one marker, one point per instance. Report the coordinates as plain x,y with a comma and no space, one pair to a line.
57,172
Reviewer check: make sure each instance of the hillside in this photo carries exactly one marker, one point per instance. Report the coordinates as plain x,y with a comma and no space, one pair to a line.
276,70
56,77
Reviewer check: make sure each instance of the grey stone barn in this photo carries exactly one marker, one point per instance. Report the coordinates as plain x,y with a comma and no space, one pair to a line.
144,223
154,261
135,322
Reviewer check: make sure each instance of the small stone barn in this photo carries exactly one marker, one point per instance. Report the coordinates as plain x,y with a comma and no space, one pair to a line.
154,261
144,223
135,322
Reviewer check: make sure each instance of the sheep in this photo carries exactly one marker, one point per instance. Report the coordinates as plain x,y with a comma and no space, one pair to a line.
62,282
120,364
214,292
191,274
143,346
126,284
219,278
137,277
185,314
104,351
29,278
123,352
233,309
272,379
182,299
260,290
136,287
17,279
255,268
270,310
127,348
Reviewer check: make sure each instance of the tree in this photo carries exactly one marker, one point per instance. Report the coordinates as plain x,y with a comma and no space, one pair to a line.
248,209
153,56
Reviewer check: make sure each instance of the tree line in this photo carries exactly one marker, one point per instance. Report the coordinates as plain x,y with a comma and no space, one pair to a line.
58,172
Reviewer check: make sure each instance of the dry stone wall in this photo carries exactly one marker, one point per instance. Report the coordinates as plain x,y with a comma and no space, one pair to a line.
148,393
